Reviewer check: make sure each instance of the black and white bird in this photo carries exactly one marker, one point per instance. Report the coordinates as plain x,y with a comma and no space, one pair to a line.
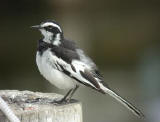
66,66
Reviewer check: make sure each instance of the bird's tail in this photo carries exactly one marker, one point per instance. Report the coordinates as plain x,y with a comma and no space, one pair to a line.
122,101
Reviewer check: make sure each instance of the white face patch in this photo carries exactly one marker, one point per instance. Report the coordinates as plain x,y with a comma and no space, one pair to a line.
57,40
47,35
51,24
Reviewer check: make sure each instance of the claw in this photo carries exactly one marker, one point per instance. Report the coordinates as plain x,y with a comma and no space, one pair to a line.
62,101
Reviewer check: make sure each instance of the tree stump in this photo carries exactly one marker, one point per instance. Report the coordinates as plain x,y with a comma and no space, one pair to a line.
40,107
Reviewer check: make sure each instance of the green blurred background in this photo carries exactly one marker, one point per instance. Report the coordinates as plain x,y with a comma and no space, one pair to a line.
122,37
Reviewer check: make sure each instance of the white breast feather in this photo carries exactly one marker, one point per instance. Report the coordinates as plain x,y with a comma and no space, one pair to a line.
54,76
46,67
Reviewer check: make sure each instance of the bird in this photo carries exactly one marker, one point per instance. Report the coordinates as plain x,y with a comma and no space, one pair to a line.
65,65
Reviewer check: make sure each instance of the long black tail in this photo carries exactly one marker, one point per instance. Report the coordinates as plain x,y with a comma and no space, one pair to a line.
122,101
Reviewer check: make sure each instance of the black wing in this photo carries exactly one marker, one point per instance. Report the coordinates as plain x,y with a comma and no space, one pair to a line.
68,52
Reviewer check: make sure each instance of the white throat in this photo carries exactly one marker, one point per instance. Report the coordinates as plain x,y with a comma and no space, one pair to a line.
48,37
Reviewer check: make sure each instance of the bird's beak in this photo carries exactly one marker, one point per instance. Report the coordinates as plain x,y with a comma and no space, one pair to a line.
36,27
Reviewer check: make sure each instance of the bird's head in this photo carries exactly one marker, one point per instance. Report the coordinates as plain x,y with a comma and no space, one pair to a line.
51,30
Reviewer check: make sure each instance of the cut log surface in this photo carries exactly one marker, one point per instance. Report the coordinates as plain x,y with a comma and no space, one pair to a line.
40,107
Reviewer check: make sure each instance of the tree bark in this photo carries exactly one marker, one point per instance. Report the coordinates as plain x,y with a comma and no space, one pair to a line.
40,107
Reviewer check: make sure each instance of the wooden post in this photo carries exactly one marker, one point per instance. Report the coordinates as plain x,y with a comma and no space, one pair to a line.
39,107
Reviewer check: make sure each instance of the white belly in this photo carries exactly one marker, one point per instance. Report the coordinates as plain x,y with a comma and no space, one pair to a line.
55,77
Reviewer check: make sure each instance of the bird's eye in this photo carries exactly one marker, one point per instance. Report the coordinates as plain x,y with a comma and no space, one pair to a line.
50,27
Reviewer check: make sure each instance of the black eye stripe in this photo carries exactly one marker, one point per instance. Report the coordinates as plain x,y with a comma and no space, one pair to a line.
52,29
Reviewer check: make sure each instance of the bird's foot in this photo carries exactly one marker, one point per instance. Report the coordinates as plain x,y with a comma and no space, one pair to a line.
64,101
61,101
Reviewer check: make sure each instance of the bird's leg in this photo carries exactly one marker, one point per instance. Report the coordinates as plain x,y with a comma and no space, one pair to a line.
64,99
73,91
69,95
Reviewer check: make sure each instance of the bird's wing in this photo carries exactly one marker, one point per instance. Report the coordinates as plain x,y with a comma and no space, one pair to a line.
87,60
70,63
70,45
